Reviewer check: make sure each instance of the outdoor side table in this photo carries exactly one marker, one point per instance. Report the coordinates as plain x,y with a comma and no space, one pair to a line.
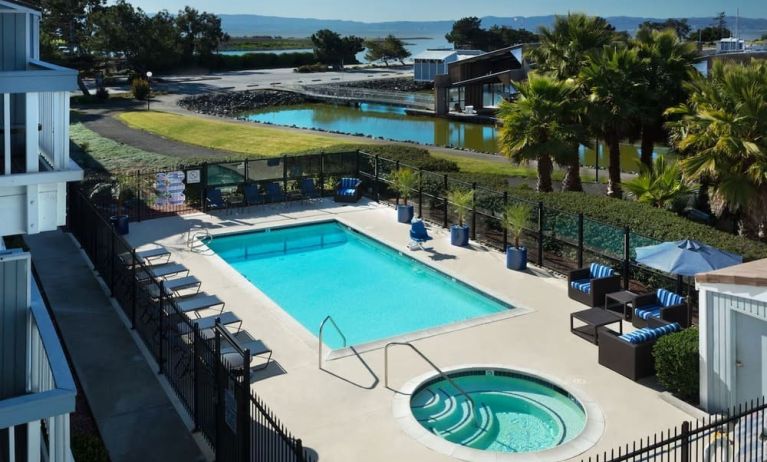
624,299
593,319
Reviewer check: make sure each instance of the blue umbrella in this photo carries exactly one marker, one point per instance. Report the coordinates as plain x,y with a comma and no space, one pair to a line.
685,258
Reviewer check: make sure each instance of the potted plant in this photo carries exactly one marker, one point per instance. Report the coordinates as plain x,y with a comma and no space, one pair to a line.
462,199
515,219
404,181
119,194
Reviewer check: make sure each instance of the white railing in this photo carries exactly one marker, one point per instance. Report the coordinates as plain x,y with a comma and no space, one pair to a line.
50,397
406,99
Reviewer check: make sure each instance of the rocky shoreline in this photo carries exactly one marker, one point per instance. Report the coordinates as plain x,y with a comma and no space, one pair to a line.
403,84
233,103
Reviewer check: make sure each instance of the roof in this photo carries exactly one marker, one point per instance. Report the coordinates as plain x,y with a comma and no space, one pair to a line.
753,273
21,6
490,54
435,54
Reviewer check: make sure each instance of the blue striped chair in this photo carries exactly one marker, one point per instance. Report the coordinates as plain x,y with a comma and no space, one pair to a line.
661,305
590,285
348,190
630,354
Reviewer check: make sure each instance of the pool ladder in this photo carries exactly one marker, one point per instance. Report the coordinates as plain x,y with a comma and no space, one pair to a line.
197,234
322,327
434,366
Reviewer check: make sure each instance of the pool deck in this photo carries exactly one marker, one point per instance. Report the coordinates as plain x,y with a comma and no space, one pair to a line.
344,412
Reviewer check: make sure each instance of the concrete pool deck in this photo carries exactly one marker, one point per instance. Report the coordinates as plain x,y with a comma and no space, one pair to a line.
344,411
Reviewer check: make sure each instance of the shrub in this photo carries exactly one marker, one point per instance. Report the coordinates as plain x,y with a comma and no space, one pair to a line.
259,61
677,363
140,89
309,68
88,448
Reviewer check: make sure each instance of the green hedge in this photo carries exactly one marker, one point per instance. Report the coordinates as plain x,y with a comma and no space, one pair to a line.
259,61
677,363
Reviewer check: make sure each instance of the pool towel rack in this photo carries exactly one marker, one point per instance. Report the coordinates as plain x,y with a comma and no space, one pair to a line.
322,326
434,366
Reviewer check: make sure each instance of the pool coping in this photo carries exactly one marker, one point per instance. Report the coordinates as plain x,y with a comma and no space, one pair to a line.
351,350
588,438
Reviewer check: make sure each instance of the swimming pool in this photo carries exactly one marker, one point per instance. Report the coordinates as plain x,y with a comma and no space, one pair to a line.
372,291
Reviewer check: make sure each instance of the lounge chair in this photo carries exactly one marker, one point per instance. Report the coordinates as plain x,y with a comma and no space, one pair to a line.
198,302
215,199
630,354
163,271
590,285
172,287
418,235
663,305
206,324
233,357
274,192
252,195
348,190
147,257
308,189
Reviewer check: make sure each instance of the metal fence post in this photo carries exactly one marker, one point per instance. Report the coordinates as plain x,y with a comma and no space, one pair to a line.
685,442
626,256
444,222
219,402
474,212
420,193
580,240
285,176
204,188
505,229
138,195
396,168
196,366
541,217
134,289
358,163
159,328
243,416
300,450
322,174
375,180
112,258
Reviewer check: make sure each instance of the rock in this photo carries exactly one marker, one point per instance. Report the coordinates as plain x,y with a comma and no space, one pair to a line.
235,102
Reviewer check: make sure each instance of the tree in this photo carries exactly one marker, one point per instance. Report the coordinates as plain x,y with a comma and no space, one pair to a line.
722,132
614,79
669,65
467,33
659,185
501,37
385,50
200,33
680,26
710,34
538,124
332,49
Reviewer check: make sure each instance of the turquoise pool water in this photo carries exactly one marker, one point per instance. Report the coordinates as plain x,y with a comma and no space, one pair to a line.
371,291
515,412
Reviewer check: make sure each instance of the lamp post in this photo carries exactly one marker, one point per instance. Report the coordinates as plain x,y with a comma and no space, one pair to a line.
149,83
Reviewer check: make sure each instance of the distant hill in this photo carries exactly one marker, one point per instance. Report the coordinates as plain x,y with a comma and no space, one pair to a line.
248,24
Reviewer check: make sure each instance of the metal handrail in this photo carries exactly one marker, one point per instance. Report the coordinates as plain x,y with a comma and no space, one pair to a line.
322,326
434,366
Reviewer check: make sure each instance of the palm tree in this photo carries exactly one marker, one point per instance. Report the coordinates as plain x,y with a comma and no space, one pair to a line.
659,185
562,53
614,79
540,124
722,130
669,65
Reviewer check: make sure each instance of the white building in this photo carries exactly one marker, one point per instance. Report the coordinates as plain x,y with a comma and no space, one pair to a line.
430,63
730,45
733,335
37,392
34,127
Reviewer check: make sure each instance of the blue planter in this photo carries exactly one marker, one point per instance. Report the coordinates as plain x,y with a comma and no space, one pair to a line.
405,213
459,235
121,223
516,258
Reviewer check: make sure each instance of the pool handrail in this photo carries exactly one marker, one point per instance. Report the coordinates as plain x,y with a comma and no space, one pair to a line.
434,366
322,326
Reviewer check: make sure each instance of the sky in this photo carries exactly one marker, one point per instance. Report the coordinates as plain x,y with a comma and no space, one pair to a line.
420,10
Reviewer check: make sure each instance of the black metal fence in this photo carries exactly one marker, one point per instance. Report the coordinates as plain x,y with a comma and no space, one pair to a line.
736,436
235,422
558,240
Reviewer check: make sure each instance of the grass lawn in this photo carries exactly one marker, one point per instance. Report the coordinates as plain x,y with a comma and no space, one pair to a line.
228,136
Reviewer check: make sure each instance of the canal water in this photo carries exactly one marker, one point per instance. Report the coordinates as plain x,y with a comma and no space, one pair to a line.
393,123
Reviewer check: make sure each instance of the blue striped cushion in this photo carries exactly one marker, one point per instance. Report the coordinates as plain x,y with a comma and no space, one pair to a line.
600,271
667,329
646,334
347,183
647,312
584,285
667,298
347,192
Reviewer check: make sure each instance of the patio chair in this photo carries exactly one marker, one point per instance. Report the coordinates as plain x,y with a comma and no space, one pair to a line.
418,235
630,354
252,194
199,302
206,324
662,304
308,189
163,271
153,255
274,192
590,285
348,190
172,287
215,199
257,348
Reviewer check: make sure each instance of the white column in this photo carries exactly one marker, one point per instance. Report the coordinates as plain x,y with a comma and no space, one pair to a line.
33,208
7,133
33,441
11,443
32,135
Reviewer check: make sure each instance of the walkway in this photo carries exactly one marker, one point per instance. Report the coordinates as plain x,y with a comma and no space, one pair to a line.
134,415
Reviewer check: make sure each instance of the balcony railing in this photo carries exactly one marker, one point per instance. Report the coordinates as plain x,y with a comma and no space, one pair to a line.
41,416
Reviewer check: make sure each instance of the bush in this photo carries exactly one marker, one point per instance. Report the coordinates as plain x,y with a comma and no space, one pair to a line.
88,448
259,61
140,89
677,363
309,68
